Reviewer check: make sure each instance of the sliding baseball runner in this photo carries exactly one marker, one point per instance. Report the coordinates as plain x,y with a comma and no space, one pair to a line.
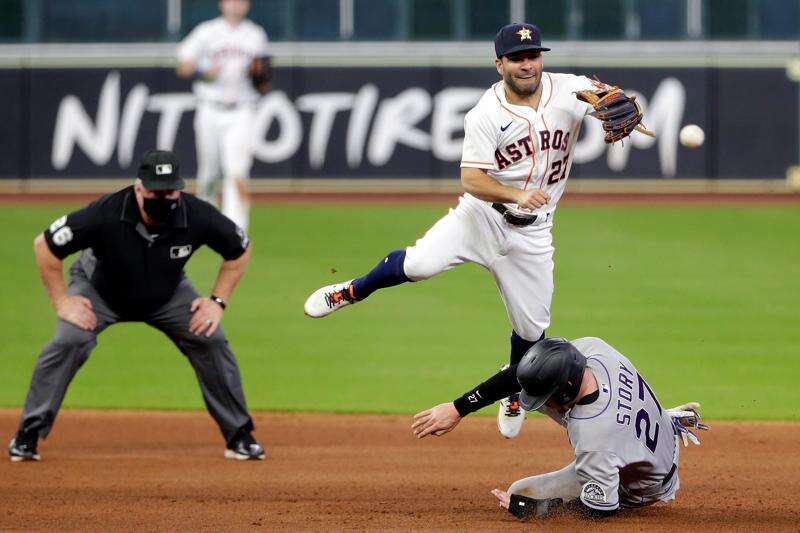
626,444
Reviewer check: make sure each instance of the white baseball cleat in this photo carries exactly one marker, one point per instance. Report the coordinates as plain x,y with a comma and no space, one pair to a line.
510,417
328,299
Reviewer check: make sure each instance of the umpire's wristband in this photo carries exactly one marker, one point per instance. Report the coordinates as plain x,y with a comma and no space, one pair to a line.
219,301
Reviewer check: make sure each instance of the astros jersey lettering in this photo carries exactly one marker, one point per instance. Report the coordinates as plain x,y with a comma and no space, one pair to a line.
523,147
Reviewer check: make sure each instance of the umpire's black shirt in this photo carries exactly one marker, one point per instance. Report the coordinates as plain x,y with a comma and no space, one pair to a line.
139,268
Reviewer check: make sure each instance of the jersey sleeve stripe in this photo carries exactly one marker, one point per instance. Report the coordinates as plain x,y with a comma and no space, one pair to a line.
547,156
552,89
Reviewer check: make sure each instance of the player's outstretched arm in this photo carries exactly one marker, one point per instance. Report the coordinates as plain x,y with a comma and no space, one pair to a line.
436,421
444,417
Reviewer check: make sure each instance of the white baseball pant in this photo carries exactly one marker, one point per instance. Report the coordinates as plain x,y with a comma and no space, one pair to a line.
519,258
224,150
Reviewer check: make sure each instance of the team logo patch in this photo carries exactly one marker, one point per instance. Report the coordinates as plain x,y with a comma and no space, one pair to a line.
179,252
524,33
166,168
593,492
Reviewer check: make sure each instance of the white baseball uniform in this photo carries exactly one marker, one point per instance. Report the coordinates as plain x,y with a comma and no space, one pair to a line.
626,448
519,147
225,108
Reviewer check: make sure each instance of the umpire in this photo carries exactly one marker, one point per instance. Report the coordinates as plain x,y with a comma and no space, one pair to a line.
135,244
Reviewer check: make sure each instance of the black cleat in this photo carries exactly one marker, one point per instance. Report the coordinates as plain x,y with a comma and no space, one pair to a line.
243,447
23,447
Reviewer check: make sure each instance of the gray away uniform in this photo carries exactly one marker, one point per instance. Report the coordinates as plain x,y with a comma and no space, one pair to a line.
626,452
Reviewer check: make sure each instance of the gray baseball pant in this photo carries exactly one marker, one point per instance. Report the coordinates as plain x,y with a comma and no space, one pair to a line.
211,357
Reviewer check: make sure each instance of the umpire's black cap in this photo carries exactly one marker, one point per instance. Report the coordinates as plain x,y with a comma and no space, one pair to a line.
552,368
518,37
160,171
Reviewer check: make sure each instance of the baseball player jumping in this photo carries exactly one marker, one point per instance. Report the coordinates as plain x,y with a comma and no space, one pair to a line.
517,154
626,445
227,57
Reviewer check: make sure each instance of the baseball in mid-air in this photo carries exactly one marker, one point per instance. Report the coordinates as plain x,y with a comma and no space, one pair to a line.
692,136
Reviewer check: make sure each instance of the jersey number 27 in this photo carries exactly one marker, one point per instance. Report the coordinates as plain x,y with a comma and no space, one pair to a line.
643,418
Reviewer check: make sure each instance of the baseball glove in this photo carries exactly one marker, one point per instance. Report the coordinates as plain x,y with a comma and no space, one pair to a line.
261,73
619,112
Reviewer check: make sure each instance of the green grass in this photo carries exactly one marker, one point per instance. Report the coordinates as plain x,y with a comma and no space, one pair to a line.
703,299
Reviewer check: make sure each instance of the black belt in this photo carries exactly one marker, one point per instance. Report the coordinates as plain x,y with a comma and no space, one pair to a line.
511,218
669,475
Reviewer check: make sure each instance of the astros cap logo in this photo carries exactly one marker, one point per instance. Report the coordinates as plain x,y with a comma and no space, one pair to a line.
524,33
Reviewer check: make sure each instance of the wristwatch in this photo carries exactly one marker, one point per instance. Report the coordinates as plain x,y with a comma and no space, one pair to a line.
219,301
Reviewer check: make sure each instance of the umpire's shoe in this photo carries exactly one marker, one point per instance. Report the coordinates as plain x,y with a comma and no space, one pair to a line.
23,447
330,298
243,447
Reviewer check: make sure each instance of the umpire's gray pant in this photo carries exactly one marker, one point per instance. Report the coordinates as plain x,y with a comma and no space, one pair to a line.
211,357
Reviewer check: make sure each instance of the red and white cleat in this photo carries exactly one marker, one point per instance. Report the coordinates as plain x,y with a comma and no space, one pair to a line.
328,299
510,417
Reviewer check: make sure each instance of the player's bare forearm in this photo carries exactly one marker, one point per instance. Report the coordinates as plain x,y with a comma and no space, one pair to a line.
230,272
479,184
50,270
76,310
185,69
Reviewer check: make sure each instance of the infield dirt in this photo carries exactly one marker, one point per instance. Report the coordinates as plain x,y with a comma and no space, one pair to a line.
147,471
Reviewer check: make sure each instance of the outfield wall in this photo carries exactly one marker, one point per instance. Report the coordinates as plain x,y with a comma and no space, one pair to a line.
90,118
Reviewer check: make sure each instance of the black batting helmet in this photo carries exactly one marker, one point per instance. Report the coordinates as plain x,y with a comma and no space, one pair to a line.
552,368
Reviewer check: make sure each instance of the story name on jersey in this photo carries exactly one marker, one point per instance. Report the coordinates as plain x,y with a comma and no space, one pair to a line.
512,153
647,429
625,394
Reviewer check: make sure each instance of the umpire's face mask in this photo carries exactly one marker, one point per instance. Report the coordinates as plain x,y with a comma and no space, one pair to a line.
161,210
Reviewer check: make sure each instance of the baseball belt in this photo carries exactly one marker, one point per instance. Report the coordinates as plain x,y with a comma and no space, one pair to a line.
514,219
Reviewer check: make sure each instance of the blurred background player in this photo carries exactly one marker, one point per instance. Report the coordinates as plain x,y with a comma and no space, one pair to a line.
222,55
